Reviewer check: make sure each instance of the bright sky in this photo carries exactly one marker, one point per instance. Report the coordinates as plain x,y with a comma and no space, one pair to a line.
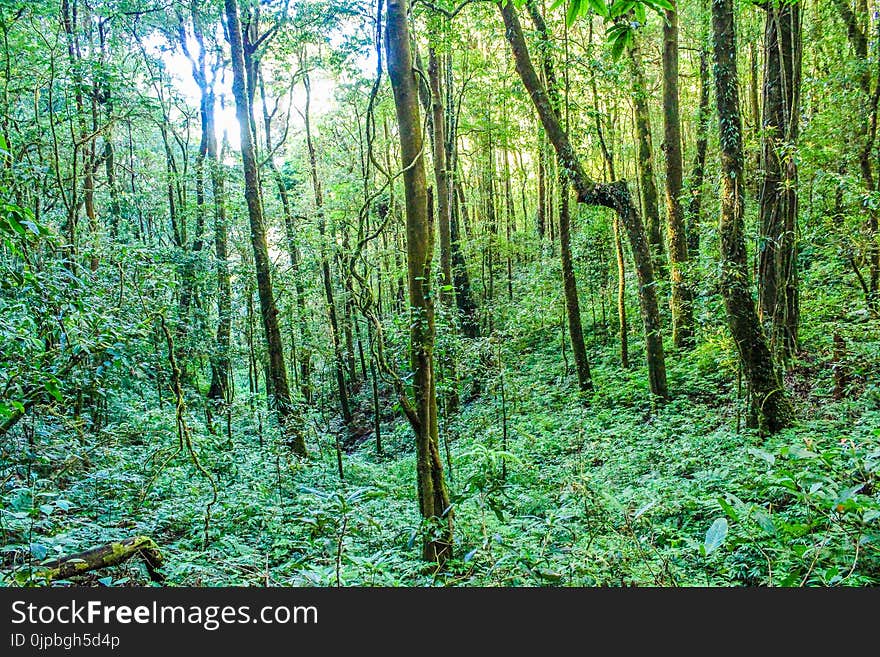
180,70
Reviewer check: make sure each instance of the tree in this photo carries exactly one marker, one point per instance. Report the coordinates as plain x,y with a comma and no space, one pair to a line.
777,265
569,283
681,299
434,502
645,161
283,404
771,409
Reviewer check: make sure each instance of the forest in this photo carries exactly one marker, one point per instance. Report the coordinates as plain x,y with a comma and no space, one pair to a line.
408,293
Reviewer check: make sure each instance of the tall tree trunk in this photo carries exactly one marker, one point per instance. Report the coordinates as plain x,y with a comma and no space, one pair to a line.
777,264
434,502
695,183
572,303
681,300
621,293
542,188
614,195
771,409
464,298
753,122
645,162
290,231
444,207
285,409
220,388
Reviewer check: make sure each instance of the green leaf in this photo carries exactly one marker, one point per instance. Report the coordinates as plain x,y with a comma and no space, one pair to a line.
550,575
574,10
39,551
644,509
715,536
639,11
848,493
801,453
106,581
764,521
728,509
47,509
12,223
599,7
52,389
620,41
762,454
621,7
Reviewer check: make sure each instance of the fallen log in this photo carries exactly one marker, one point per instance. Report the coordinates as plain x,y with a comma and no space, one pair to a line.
111,554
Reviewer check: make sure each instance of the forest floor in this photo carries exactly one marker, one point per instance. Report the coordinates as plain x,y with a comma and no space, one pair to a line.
604,491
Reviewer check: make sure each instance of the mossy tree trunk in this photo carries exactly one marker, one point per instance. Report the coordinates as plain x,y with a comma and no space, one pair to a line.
645,161
778,196
681,298
771,409
434,502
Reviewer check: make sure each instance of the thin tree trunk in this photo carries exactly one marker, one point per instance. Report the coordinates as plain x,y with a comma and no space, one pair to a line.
695,184
434,502
290,230
441,175
285,409
338,356
572,303
464,300
569,282
681,299
650,197
867,131
542,188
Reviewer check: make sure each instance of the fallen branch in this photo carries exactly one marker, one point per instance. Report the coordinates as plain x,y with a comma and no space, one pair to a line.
111,554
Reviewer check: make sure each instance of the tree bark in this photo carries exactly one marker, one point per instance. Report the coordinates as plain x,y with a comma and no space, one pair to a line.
572,303
290,230
441,175
286,412
434,501
771,409
681,299
569,282
111,554
645,161
778,196
464,299
695,184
